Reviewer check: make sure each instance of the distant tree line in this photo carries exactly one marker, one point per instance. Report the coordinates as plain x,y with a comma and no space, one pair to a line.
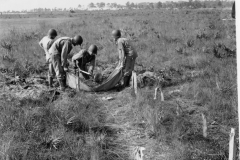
102,5
169,4
193,4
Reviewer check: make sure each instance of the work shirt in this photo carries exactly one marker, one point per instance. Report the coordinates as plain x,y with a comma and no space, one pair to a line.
84,57
125,45
46,43
125,49
62,47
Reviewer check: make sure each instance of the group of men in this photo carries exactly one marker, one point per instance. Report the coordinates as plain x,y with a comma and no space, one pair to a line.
57,53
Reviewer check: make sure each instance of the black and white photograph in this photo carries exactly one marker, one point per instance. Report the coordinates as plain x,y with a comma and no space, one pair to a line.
119,80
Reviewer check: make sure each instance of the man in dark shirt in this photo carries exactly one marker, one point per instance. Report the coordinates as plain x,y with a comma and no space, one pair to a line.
85,60
127,55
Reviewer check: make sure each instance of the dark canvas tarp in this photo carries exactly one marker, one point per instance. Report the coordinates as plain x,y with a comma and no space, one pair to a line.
111,81
75,82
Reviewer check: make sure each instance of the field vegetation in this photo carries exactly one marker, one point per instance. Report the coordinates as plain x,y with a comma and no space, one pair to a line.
194,51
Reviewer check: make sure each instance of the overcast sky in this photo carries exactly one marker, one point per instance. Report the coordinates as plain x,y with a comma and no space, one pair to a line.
30,4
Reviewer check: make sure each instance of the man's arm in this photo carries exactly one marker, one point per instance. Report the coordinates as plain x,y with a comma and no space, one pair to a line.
92,66
49,44
79,55
67,47
40,44
121,53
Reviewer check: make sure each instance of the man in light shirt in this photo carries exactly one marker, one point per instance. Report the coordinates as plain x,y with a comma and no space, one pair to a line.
46,43
127,56
58,56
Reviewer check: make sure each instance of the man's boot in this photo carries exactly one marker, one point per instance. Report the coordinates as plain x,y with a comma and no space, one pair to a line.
127,81
50,82
62,86
64,81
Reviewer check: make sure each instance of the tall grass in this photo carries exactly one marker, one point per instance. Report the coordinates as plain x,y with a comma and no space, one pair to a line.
69,128
186,45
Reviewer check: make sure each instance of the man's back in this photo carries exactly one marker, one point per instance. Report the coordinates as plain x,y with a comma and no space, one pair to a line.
59,44
125,44
83,57
46,43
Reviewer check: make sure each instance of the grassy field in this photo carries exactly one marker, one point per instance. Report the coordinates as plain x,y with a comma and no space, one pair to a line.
25,24
194,50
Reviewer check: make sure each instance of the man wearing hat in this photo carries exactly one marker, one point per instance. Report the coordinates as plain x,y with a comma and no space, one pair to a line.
85,60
